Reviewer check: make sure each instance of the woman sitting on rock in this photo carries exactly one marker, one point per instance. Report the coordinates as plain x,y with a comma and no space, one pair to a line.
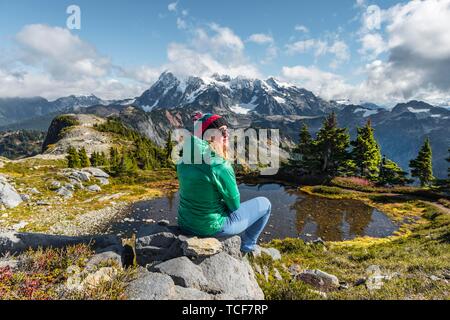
209,196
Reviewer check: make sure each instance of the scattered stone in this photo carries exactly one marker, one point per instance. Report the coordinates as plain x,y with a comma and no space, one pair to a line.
55,185
103,181
374,282
94,188
272,252
74,278
319,280
81,175
66,193
343,285
434,278
76,183
105,274
34,191
25,197
96,172
295,270
276,274
201,247
163,222
374,279
69,186
104,258
9,198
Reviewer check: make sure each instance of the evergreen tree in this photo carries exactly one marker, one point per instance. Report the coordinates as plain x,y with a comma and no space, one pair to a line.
103,159
73,160
366,152
84,159
169,146
114,160
95,159
304,156
391,173
422,167
127,165
331,147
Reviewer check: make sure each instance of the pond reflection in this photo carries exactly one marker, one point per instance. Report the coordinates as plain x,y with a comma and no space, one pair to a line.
294,214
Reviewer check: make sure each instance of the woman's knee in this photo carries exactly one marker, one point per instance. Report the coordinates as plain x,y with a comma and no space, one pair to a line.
264,204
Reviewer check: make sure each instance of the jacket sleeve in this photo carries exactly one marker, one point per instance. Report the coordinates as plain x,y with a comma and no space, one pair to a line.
227,186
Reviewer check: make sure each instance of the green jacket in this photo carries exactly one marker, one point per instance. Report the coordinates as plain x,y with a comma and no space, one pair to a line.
208,192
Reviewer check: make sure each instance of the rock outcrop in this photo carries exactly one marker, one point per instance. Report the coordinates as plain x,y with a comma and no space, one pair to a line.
17,242
172,265
182,267
9,198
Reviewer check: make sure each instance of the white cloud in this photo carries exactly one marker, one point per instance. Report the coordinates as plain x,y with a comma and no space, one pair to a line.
52,62
325,84
60,52
301,28
341,53
172,6
337,48
260,38
300,46
417,42
373,45
216,49
181,24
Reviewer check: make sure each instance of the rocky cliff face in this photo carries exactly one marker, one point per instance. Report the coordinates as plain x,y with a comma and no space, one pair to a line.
76,130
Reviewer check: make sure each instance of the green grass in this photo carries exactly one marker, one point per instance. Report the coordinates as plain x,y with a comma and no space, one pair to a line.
416,256
38,173
42,274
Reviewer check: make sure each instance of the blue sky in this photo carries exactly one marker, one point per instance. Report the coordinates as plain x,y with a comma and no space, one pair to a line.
323,45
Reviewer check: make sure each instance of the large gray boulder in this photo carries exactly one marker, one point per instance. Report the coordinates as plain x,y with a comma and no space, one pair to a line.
151,286
157,286
9,198
199,268
156,243
230,276
183,272
319,279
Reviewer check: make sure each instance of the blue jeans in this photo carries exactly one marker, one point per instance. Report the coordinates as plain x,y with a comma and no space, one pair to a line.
248,221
